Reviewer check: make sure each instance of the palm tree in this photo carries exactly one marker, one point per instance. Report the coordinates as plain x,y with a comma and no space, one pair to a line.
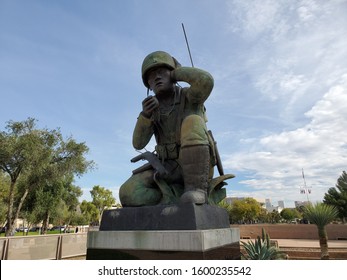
321,214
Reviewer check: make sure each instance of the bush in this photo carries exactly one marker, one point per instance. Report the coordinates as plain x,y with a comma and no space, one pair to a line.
261,249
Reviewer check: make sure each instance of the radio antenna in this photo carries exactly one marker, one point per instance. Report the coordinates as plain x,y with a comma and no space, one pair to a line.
185,36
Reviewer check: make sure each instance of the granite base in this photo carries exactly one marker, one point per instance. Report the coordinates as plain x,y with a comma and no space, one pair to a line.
218,244
184,216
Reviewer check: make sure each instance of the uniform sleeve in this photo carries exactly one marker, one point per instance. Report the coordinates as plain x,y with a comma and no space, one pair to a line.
143,132
201,83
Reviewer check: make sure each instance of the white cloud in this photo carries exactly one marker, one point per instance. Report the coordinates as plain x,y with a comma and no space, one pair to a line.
297,50
320,147
253,17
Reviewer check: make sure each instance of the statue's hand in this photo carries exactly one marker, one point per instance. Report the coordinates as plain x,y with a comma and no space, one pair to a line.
149,104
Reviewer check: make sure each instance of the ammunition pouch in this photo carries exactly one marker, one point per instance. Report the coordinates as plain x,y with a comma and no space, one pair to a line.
167,151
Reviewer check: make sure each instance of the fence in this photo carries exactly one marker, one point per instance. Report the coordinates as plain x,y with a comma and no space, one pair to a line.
43,247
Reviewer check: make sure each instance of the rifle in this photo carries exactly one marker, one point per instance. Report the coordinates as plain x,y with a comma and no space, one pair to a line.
153,162
168,196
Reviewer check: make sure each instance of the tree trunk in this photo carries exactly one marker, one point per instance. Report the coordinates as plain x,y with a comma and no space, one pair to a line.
45,223
323,243
10,223
12,219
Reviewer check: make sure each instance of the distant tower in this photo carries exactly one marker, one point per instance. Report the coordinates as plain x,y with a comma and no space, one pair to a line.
281,204
268,203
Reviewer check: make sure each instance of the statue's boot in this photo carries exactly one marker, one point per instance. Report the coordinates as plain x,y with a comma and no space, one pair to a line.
195,162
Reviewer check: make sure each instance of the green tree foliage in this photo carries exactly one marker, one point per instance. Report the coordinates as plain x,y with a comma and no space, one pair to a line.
264,216
274,217
102,198
4,182
36,157
290,214
79,219
337,196
245,210
321,215
70,197
227,207
248,210
53,202
44,203
89,212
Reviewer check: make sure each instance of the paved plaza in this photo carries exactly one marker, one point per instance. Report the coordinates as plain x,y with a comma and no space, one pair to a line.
310,243
307,243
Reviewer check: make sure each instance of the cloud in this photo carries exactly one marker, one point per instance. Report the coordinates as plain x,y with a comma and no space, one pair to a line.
296,68
320,147
296,49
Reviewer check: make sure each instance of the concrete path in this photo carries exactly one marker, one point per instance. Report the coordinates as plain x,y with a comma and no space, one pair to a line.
310,243
307,243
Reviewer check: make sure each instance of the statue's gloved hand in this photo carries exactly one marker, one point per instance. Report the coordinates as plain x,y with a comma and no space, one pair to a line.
149,104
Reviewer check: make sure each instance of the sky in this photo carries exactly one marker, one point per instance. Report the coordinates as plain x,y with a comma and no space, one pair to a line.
278,107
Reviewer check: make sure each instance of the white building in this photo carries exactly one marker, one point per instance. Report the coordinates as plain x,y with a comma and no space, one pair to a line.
268,204
281,204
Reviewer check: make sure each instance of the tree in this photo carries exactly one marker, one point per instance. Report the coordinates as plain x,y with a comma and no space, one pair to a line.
264,216
70,197
290,214
274,217
102,198
321,214
245,210
57,200
44,202
4,182
79,219
90,212
338,196
36,157
227,207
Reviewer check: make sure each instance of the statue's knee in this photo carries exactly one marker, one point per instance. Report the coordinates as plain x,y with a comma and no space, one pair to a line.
193,131
125,193
137,191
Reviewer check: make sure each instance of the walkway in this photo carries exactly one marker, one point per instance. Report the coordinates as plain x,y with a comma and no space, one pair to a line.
309,243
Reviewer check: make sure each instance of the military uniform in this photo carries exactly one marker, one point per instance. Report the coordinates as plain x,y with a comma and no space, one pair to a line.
184,145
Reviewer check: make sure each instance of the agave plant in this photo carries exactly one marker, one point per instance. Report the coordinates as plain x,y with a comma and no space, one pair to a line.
261,249
321,214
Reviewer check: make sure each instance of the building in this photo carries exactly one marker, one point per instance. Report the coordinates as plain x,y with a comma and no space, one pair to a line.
301,203
270,208
281,204
268,204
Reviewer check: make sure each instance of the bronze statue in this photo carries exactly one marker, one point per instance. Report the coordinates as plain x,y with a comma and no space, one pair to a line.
181,168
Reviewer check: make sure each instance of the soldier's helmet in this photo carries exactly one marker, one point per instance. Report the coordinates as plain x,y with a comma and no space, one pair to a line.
157,59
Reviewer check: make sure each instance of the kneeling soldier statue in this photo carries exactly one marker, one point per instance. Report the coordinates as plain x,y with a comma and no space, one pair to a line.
180,170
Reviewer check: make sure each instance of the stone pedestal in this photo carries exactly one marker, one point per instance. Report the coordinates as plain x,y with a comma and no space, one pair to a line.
213,244
168,232
185,216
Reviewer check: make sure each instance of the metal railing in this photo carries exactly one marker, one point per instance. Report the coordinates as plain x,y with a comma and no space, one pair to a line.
43,247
